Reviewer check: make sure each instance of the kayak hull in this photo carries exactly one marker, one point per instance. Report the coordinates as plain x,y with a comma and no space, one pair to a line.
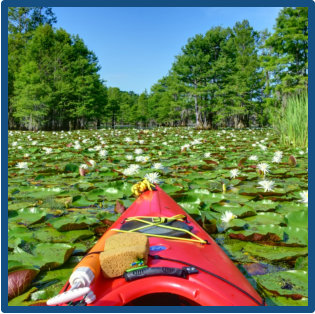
219,284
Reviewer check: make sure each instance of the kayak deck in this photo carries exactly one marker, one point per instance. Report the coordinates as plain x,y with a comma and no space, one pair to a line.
217,283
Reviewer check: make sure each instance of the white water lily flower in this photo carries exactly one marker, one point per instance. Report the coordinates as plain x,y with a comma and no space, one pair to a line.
131,170
129,157
103,153
234,173
222,147
128,139
92,162
84,166
48,150
138,151
134,167
141,142
276,159
227,216
253,157
186,146
34,142
262,147
22,165
26,155
85,141
153,177
142,158
196,141
77,146
266,185
304,196
207,155
158,165
263,167
98,147
278,153
14,143
301,152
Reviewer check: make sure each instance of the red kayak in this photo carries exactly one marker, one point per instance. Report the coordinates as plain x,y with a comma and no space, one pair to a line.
181,270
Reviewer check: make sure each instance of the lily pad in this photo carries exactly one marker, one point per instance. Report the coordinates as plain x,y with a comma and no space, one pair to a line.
44,256
297,219
81,201
73,222
291,283
235,208
247,252
28,216
52,235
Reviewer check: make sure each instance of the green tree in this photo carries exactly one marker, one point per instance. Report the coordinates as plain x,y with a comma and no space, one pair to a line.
33,86
27,19
244,85
113,107
288,58
59,78
22,21
143,111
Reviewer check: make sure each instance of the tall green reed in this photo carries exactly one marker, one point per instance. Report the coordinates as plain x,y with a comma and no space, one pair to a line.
292,121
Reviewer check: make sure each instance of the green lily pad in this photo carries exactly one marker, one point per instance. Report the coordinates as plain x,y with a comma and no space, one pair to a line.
235,208
286,207
52,235
71,168
49,283
19,205
291,283
301,263
44,256
247,252
23,298
81,201
73,222
44,193
95,194
28,216
263,218
263,206
170,189
297,219
295,235
257,233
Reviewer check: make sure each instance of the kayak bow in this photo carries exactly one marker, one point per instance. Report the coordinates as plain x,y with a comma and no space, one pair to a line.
185,265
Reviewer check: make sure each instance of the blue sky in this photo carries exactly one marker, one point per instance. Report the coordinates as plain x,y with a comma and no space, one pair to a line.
136,46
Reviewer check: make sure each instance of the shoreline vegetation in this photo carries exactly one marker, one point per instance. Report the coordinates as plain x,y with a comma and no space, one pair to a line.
228,77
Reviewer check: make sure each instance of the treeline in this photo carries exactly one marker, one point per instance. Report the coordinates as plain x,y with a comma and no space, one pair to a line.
227,77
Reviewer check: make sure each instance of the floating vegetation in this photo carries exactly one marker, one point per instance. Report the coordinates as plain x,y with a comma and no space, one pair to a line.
67,189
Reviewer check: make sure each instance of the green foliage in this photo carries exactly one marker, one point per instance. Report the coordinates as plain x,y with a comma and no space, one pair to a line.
287,60
292,121
50,203
234,77
54,82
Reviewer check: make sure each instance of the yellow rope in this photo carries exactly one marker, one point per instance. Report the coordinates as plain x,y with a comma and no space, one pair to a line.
142,186
162,219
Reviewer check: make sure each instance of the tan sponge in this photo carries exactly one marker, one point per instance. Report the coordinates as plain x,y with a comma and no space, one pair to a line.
121,251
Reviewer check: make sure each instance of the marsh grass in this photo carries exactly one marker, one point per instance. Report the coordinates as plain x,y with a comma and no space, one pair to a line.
292,121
